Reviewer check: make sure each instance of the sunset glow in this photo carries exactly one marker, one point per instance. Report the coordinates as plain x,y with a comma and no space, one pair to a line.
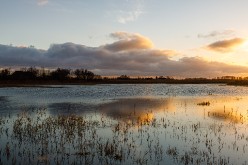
126,82
244,46
127,37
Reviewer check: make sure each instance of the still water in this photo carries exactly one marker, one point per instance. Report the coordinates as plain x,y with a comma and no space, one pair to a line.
124,124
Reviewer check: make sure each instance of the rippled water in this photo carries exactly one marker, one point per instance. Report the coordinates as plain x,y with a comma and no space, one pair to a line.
100,93
144,124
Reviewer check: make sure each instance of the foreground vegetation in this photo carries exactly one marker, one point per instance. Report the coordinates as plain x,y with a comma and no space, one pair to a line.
34,137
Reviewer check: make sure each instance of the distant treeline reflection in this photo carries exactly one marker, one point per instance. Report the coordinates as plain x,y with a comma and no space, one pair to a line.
78,76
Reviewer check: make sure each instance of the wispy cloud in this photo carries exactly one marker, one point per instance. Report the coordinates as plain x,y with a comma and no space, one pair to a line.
42,2
131,54
130,13
226,46
223,33
128,16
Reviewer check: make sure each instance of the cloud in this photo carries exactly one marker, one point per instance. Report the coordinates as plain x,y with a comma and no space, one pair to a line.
42,2
20,56
226,46
127,55
127,41
213,34
132,12
129,16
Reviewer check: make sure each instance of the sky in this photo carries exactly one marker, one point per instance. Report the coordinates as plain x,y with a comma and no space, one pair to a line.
134,37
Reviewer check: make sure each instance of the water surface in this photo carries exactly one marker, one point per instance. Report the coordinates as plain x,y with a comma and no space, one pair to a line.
124,124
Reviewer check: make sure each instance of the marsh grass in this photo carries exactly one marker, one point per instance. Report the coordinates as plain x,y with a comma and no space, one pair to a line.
36,137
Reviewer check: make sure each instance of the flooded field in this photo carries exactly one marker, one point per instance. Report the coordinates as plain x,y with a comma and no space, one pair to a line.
124,124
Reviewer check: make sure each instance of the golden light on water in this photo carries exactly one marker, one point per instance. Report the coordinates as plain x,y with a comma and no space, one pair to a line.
209,123
146,118
144,110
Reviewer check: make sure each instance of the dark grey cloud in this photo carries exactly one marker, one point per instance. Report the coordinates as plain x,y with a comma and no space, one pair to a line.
226,46
12,56
116,58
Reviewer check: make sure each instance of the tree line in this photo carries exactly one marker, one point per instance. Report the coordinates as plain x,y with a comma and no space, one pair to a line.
41,75
33,73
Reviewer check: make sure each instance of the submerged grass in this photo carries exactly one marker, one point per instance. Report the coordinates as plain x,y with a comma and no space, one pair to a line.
39,138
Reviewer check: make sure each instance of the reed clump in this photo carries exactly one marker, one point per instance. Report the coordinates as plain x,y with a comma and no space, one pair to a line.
204,103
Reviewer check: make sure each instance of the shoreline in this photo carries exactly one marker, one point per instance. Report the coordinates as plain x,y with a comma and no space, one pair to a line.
49,83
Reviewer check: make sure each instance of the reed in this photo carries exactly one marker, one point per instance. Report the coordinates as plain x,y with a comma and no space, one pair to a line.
35,137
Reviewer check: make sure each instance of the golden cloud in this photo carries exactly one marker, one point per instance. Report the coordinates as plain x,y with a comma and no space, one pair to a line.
226,46
128,41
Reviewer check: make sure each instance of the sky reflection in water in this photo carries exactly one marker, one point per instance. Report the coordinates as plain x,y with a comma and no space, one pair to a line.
205,129
228,109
